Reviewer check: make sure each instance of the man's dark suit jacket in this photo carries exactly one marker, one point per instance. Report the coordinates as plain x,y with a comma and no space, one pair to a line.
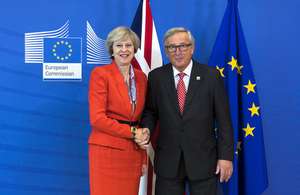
194,132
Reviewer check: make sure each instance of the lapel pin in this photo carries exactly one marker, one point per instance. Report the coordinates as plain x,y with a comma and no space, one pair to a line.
198,78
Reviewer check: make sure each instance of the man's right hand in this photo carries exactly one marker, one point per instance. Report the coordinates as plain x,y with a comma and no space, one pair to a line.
142,137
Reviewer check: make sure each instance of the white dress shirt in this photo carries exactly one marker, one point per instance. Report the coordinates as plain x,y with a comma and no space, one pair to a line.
186,78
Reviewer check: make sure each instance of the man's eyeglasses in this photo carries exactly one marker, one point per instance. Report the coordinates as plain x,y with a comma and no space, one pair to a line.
182,47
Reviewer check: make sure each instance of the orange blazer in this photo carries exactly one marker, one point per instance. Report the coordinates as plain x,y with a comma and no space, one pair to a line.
108,101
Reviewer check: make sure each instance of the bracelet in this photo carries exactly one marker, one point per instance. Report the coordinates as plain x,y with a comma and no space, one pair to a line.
133,132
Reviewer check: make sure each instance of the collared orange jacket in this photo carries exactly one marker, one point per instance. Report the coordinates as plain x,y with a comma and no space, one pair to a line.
109,100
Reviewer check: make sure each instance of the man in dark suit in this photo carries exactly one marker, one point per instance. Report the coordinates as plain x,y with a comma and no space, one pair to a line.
187,148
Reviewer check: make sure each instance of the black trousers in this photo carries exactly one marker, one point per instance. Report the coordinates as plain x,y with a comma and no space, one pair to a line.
176,186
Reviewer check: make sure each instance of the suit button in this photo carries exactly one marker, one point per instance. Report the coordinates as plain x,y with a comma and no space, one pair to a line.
180,147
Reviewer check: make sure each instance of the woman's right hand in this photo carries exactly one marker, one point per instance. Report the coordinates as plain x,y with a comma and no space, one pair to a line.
142,137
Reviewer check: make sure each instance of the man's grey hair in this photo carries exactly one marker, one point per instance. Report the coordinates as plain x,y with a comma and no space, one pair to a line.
173,31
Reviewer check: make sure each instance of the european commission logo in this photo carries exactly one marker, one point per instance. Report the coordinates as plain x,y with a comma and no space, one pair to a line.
61,55
62,59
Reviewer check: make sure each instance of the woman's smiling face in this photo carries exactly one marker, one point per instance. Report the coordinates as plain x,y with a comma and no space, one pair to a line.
123,52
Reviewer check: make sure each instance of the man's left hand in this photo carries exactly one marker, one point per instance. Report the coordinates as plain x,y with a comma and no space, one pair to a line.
224,168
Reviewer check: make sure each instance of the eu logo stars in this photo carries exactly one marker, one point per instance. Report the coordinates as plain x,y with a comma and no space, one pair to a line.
62,60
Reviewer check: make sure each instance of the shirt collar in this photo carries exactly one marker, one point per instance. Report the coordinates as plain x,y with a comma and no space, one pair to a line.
187,71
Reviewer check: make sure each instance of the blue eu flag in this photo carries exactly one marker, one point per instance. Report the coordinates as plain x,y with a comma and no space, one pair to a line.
230,57
62,50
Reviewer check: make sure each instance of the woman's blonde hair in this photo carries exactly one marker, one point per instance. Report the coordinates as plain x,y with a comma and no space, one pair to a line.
119,34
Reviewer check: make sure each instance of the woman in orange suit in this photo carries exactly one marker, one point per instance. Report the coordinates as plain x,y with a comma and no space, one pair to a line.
116,96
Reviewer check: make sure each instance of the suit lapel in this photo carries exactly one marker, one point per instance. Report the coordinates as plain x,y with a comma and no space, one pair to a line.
121,86
194,85
170,85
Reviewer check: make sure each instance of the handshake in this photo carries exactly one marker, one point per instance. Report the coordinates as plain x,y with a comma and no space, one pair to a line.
142,136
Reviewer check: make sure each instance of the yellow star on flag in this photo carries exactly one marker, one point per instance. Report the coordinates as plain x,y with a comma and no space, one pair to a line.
249,130
233,63
250,87
254,110
239,145
221,71
239,69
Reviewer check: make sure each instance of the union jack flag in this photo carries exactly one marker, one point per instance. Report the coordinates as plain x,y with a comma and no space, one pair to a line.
147,58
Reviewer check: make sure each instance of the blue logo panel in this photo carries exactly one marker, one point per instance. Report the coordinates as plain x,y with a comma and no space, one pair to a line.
62,50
